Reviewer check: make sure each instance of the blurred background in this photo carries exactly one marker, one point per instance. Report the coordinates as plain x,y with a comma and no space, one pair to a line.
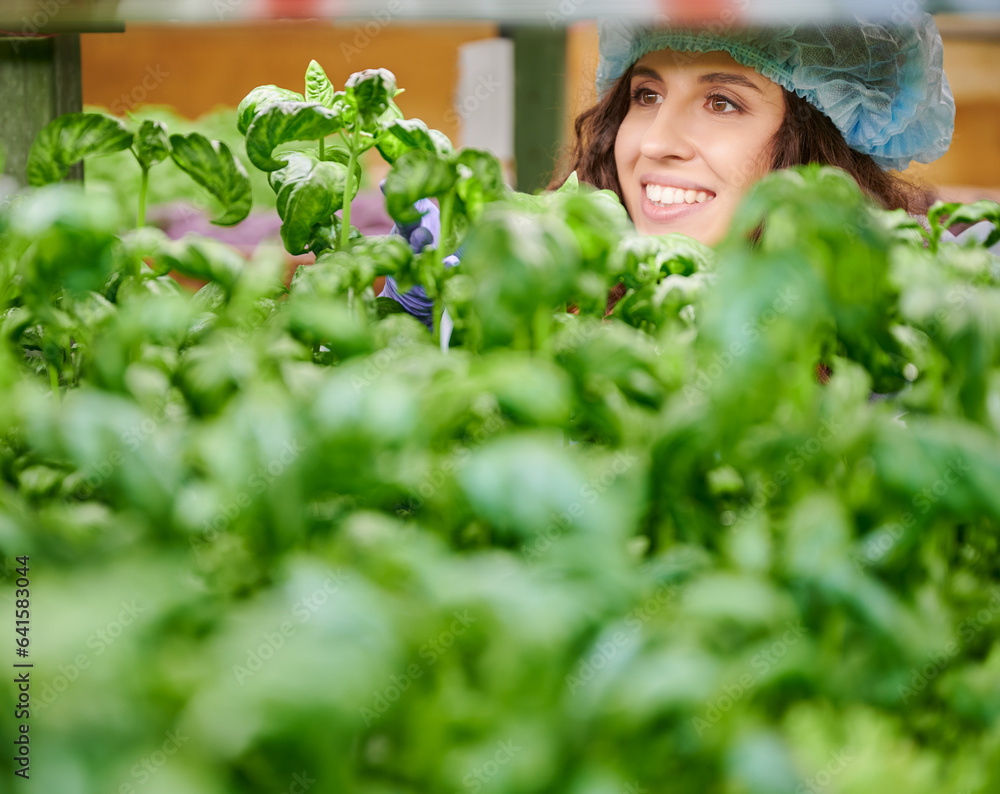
506,76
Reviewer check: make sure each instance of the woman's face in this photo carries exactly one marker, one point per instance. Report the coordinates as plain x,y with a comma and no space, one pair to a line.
693,141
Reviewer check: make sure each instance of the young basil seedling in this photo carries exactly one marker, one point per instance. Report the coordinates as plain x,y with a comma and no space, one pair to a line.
73,137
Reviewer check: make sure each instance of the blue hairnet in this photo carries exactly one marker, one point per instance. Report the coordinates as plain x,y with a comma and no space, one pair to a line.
883,85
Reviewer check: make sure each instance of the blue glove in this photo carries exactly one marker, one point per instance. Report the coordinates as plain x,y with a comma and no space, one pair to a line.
419,235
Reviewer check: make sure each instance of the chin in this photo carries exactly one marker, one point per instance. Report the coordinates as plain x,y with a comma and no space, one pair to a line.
704,232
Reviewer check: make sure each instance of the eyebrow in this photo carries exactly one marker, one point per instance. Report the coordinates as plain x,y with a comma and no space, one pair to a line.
727,78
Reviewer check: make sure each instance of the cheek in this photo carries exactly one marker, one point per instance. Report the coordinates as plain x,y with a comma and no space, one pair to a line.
739,164
627,146
736,164
626,157
742,160
620,165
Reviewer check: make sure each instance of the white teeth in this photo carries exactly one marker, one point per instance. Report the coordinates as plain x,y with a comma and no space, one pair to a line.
665,195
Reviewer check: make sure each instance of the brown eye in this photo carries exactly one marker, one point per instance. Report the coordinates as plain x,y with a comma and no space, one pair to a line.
644,96
722,105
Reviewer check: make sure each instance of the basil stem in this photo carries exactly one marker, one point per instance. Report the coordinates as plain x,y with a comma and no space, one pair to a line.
345,229
447,206
140,220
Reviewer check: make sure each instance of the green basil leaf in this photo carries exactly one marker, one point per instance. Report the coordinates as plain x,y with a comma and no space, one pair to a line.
543,475
597,218
414,134
391,112
72,241
386,306
939,209
68,139
336,152
485,168
286,122
213,166
152,145
330,323
390,147
389,255
348,111
976,212
145,242
326,236
481,182
646,259
296,168
417,174
318,86
202,258
308,194
571,185
370,91
259,100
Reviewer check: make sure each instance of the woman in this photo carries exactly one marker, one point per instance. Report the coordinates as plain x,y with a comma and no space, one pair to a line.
688,119
713,111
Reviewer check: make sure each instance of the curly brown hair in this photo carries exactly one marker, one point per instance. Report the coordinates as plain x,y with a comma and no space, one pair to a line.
806,135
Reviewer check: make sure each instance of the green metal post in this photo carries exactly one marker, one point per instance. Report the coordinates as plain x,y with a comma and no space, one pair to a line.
40,78
539,101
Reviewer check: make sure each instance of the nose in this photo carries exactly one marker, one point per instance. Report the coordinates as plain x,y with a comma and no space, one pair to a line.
669,134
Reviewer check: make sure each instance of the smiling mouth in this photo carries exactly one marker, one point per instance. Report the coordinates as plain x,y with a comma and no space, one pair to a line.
666,196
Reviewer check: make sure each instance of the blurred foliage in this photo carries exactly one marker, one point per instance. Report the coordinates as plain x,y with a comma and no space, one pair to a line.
118,173
279,538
